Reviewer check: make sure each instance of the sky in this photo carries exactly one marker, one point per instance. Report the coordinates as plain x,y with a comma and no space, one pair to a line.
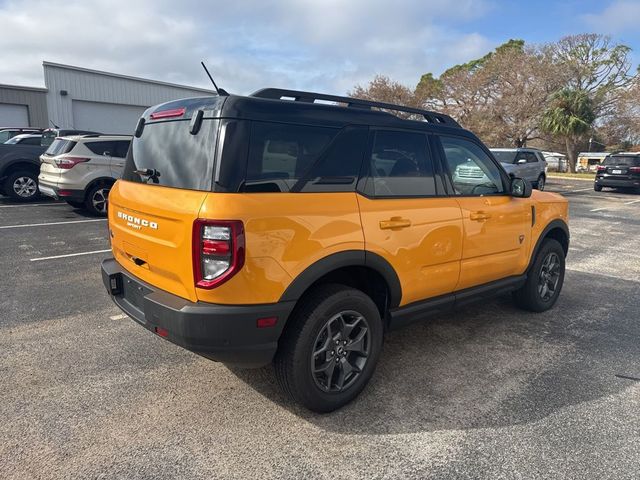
321,45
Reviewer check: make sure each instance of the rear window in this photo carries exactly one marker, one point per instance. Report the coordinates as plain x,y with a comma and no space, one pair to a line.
505,157
632,161
167,154
60,146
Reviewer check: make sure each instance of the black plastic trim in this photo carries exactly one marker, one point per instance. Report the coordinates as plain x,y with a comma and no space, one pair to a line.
553,224
416,311
348,258
223,333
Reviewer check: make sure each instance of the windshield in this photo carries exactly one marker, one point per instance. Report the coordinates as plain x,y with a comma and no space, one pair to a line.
167,154
632,161
13,140
59,146
505,156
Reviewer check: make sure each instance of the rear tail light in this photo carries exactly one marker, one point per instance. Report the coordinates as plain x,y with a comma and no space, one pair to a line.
218,251
601,168
634,169
69,162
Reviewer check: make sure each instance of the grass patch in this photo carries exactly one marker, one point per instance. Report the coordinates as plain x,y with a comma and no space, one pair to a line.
590,175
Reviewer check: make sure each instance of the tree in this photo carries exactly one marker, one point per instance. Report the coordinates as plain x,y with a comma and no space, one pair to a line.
570,116
383,89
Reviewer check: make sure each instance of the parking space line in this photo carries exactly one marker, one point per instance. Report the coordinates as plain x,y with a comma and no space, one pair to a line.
35,205
52,223
579,190
118,317
68,255
631,202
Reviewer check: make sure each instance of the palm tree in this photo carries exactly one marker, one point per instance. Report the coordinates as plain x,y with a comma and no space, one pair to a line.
570,116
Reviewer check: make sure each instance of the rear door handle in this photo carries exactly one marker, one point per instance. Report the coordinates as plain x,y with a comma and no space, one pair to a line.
479,216
395,223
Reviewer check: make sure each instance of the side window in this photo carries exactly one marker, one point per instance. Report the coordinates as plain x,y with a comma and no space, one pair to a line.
279,154
31,141
120,148
338,169
400,165
99,148
471,169
531,157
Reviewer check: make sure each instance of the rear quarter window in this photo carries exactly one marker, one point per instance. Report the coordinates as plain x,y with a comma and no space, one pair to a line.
60,146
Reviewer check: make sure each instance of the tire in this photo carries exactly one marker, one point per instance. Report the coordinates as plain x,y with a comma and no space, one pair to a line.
597,188
75,204
540,184
314,326
96,200
21,186
548,269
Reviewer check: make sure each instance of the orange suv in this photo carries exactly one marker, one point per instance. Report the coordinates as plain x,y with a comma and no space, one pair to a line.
297,228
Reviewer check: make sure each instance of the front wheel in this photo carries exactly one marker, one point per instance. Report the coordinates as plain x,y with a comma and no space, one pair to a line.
22,186
597,188
544,280
330,349
541,182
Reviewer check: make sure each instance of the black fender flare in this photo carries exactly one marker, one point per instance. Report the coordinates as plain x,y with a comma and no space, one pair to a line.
553,224
347,258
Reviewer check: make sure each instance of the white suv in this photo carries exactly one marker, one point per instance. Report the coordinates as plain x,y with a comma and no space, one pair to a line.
81,169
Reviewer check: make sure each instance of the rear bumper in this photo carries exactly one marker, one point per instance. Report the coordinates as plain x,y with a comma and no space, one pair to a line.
224,333
60,194
613,182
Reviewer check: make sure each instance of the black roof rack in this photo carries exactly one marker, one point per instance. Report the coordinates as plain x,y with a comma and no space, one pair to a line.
310,97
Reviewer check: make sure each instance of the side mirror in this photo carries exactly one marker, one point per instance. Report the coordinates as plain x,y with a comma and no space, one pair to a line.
106,153
520,188
521,161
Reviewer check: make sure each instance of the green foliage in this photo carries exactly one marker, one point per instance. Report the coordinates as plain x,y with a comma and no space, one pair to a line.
473,65
570,114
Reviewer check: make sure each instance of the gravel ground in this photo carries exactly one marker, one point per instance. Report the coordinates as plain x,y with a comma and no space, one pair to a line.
488,392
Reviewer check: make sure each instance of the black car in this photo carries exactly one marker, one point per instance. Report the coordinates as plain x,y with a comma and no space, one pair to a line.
620,170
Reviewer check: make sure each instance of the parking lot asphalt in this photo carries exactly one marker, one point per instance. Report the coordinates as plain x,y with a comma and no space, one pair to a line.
487,392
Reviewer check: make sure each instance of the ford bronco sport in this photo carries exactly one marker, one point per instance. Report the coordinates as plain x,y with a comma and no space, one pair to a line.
280,228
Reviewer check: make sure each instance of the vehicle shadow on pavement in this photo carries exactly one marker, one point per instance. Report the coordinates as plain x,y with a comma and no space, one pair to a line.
492,365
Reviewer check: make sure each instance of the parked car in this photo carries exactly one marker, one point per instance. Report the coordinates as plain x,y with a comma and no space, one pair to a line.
25,139
20,165
527,163
277,228
8,132
620,170
82,169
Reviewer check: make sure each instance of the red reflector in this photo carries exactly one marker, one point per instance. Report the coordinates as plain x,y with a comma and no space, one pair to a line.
601,168
634,169
267,322
65,193
163,332
215,247
175,112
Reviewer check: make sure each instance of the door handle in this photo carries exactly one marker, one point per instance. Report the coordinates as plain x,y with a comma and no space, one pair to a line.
480,216
395,223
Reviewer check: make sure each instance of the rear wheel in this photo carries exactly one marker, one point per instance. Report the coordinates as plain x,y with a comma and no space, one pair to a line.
544,280
22,185
96,200
597,188
330,348
541,182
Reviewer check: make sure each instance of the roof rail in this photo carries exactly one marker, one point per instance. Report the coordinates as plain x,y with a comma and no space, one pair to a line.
310,97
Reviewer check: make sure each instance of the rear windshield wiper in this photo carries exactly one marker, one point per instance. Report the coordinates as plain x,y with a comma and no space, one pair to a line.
150,173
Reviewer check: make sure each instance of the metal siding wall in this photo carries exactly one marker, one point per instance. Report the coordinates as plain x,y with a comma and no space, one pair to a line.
35,101
98,87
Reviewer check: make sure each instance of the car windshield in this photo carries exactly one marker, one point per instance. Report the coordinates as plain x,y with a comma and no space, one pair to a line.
507,156
59,146
630,160
14,140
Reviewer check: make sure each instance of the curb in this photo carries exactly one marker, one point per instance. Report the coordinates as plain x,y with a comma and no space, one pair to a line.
563,177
